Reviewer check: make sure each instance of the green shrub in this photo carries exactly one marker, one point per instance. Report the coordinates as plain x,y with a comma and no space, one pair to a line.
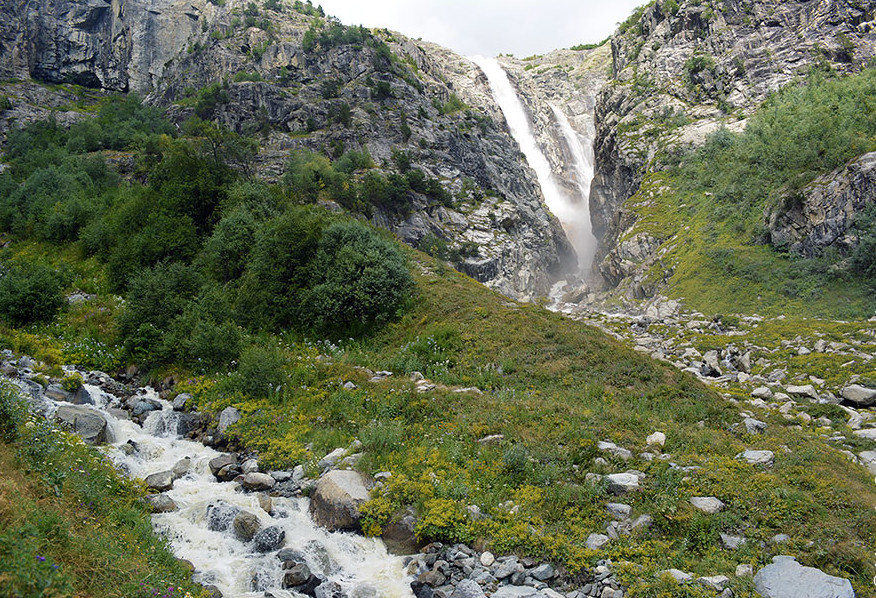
30,293
262,370
359,281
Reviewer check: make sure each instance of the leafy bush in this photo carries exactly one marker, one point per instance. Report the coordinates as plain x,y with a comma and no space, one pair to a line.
261,370
30,293
359,281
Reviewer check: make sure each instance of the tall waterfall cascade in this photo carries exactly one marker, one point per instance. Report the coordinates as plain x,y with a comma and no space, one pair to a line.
572,210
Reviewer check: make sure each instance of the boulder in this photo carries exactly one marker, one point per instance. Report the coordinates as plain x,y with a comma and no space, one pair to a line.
246,525
336,500
400,535
160,481
613,449
757,457
868,460
619,511
217,464
220,515
181,401
762,392
716,582
487,559
56,392
621,483
786,578
257,481
807,391
596,541
227,417
754,426
269,539
89,424
515,592
297,575
181,468
866,433
861,396
161,503
657,438
543,572
468,589
707,504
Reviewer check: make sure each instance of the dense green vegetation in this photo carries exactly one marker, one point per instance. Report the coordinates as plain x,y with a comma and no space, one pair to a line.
69,524
714,201
202,251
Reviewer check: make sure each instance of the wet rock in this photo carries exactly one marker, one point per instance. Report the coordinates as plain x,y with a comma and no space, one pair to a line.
181,468
161,503
220,515
336,500
328,589
266,503
246,525
161,481
89,424
297,575
400,536
224,467
786,578
421,590
257,481
269,539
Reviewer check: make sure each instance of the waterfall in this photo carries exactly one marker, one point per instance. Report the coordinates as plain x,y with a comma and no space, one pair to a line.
572,212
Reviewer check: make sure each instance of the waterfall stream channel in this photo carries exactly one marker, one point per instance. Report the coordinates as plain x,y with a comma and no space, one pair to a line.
200,529
571,209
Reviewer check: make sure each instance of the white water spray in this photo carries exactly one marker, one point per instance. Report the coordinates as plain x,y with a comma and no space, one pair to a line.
361,566
573,215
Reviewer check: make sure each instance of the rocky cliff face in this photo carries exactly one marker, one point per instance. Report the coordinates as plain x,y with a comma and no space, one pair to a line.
683,69
820,217
326,97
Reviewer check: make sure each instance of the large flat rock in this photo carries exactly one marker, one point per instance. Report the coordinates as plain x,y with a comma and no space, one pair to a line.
786,578
335,502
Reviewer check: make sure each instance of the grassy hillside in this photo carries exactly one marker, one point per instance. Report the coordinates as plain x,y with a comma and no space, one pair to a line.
232,286
708,208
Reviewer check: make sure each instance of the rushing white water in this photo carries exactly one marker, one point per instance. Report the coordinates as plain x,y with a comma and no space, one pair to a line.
572,212
361,566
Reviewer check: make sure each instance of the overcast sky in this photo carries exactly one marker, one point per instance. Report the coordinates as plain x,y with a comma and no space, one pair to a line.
490,27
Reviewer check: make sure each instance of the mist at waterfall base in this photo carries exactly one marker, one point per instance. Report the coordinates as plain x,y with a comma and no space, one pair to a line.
573,212
361,566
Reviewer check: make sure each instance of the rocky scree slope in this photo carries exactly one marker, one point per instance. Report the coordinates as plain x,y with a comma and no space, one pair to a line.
682,70
307,83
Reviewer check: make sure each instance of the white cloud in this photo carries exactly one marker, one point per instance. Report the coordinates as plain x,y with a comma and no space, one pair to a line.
490,27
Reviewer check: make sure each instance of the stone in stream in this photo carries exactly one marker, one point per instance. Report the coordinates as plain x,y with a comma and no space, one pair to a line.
161,481
220,515
336,500
246,525
181,401
89,424
181,468
786,578
257,481
161,503
328,589
269,539
421,590
296,575
217,463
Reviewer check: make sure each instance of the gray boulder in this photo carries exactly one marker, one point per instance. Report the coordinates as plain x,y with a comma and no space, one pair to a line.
258,481
229,416
161,503
160,481
757,457
707,504
91,425
786,578
468,589
220,516
181,401
269,539
621,483
56,392
336,500
859,395
246,525
754,426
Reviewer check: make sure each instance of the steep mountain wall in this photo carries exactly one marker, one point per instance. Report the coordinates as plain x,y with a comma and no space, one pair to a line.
375,91
683,69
